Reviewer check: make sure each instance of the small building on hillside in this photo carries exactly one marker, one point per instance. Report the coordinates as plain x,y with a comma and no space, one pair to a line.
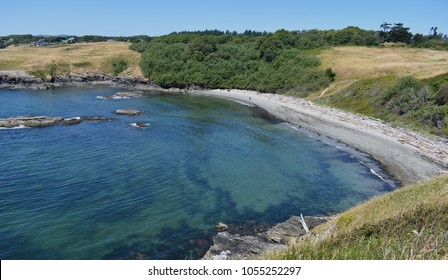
69,41
40,43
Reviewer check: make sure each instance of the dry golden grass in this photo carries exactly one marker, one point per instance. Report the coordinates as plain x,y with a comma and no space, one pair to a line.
408,223
73,58
370,62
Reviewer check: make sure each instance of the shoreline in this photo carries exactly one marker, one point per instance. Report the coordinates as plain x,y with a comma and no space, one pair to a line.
407,156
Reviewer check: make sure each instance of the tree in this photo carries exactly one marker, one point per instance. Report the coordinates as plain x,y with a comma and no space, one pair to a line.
399,33
201,46
384,34
418,38
386,26
433,32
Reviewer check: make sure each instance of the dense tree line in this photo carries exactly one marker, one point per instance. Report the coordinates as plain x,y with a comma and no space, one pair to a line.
258,61
274,62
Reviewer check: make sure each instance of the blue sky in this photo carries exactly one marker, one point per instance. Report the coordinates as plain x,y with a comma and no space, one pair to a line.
135,17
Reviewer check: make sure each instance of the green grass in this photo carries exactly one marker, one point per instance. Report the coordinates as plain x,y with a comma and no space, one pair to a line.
409,223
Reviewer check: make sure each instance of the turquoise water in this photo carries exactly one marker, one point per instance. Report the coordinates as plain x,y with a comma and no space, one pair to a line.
102,190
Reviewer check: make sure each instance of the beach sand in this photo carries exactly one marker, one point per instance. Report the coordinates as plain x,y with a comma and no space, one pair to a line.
407,156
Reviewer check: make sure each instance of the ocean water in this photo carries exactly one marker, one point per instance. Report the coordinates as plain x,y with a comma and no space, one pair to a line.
106,190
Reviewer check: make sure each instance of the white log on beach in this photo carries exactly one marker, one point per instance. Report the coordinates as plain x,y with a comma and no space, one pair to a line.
302,221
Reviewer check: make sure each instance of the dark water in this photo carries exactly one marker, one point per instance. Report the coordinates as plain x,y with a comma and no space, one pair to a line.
102,190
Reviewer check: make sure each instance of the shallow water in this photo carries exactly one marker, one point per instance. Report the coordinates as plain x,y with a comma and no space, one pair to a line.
102,190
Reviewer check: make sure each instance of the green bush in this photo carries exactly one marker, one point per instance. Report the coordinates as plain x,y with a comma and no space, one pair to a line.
441,96
216,62
119,65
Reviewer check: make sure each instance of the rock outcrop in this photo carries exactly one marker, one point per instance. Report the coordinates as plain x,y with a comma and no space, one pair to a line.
41,121
227,246
20,80
23,80
29,121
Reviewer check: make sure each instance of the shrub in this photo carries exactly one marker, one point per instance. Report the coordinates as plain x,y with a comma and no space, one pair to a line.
441,96
119,65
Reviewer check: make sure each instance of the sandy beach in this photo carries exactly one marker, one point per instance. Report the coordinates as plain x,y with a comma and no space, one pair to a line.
407,156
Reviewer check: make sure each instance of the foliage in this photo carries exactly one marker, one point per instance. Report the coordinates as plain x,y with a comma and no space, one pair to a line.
263,62
118,65
39,73
441,96
52,71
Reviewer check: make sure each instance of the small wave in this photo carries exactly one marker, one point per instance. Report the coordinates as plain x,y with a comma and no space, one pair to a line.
121,97
16,127
101,97
139,125
377,175
244,103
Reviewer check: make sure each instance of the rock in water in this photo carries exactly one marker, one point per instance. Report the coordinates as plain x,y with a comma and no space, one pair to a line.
30,121
139,125
72,121
127,94
129,112
221,226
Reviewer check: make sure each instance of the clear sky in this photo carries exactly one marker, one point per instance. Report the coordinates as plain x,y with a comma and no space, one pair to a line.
150,17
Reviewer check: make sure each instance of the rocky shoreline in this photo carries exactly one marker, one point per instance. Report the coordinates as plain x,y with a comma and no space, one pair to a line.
23,80
42,121
237,246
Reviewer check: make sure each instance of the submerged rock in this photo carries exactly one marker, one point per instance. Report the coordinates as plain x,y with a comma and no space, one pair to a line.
95,119
123,95
129,112
136,256
29,121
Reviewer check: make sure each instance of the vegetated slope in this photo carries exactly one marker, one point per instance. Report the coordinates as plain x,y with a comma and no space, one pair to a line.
273,62
409,223
112,57
391,84
372,62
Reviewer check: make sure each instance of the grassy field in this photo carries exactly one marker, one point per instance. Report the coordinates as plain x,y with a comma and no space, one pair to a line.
409,223
73,58
351,63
